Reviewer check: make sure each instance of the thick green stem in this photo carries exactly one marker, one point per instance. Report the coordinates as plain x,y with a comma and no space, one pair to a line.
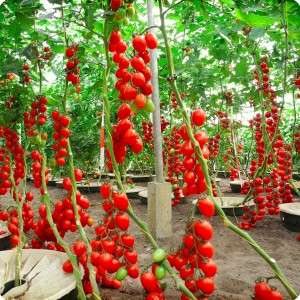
81,231
60,240
19,205
143,226
92,273
273,264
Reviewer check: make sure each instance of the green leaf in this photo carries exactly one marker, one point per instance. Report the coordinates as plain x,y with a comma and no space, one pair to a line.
256,33
242,67
228,2
55,1
200,6
24,22
97,85
26,2
255,20
98,26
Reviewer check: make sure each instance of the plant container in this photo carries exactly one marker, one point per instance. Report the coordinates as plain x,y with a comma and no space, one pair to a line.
143,196
5,243
296,176
42,276
84,187
297,185
223,174
141,178
236,186
290,215
133,193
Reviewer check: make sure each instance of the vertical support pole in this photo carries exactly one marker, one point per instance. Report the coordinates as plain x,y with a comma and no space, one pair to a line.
159,192
155,98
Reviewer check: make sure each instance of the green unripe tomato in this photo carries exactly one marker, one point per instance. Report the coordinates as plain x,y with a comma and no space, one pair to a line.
171,151
126,21
149,107
36,139
160,272
120,13
134,108
159,255
130,11
79,98
121,274
75,96
43,143
72,90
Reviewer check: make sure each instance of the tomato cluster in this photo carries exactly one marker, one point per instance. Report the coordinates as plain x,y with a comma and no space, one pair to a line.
297,139
124,135
246,30
11,103
72,71
270,190
63,217
135,85
173,163
264,291
61,135
46,53
213,146
37,169
194,260
233,174
147,131
25,73
36,116
112,250
122,10
151,283
174,100
228,97
12,226
16,166
224,119
194,175
13,221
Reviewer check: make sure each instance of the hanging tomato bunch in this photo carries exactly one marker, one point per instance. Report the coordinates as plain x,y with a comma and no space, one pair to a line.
36,116
61,136
193,175
270,190
133,86
112,249
194,260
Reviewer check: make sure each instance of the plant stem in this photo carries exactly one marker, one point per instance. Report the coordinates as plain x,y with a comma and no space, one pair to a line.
203,162
92,273
141,224
60,240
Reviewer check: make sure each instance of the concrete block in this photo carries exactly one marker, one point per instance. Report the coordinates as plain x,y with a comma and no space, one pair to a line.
160,209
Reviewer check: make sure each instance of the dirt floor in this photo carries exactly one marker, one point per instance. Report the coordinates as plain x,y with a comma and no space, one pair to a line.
238,264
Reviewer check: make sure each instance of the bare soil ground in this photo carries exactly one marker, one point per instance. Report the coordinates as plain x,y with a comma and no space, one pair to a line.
238,264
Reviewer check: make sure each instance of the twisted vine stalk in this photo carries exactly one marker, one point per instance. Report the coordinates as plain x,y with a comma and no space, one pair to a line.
47,201
92,273
142,225
172,80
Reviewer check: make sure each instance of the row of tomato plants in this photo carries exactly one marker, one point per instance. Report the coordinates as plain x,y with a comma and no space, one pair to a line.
113,244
